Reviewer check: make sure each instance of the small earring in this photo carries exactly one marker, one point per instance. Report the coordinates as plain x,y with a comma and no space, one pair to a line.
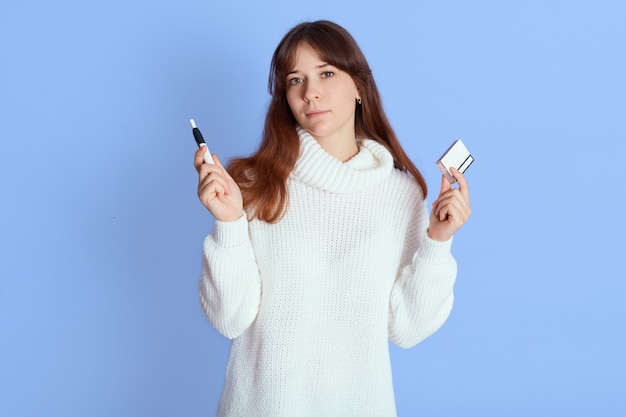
358,100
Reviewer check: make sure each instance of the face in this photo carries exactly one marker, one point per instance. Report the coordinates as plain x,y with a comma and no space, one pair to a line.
322,98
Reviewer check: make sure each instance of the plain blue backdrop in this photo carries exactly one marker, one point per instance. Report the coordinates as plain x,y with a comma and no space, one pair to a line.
101,229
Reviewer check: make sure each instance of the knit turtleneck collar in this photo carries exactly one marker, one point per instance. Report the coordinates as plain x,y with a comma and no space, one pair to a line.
317,168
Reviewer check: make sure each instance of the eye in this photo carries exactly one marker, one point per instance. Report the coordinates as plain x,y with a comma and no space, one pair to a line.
327,74
294,81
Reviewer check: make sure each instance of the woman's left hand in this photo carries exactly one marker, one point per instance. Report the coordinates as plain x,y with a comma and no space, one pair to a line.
451,209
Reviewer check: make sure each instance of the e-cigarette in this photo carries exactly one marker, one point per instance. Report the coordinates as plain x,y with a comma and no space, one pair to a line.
208,158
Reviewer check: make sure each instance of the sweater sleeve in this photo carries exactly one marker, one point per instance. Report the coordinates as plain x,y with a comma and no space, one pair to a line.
230,285
422,295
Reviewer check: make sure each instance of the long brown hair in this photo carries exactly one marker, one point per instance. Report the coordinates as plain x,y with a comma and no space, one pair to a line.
262,176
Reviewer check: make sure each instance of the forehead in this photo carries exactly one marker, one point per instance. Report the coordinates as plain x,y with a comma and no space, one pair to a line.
305,54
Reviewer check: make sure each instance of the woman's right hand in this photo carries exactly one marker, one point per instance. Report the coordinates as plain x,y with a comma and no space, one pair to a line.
217,190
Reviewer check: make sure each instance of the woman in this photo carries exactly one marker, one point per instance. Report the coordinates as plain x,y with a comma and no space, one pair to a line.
323,247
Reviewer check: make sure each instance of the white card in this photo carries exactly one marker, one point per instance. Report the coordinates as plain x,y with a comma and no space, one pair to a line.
457,156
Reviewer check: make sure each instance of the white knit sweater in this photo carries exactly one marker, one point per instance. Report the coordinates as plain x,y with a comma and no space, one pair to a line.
311,301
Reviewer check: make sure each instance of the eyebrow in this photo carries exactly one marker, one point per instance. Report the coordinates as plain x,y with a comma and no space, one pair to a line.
325,64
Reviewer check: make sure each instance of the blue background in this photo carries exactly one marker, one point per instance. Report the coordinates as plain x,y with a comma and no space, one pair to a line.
101,229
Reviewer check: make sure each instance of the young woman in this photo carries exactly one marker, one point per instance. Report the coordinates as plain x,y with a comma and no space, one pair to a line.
323,247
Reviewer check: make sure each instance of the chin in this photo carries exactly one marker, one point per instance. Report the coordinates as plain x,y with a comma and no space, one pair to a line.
316,130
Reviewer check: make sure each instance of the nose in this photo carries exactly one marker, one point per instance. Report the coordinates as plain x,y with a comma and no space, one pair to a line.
311,91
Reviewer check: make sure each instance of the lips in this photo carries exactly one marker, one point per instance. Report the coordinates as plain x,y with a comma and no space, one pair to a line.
315,113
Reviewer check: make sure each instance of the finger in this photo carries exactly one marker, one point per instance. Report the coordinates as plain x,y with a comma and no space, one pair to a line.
215,174
217,161
457,208
460,179
198,159
213,186
226,175
446,213
439,209
454,197
445,185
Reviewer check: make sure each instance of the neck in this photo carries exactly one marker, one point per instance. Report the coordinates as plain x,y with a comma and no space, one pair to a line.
340,151
343,145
